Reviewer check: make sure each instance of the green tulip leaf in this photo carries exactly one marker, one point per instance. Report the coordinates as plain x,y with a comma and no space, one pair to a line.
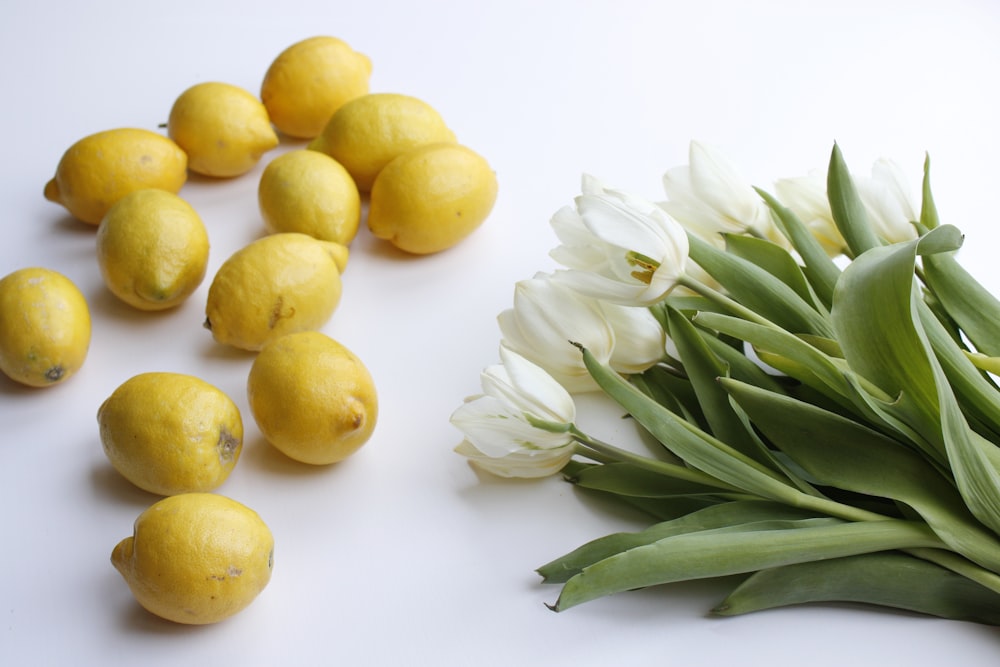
887,579
737,550
720,516
821,271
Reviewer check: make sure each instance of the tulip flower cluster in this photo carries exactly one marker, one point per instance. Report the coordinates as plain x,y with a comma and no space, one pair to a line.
810,372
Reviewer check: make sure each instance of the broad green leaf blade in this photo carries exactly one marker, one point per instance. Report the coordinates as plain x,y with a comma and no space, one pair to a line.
974,463
740,366
848,210
844,454
821,271
827,376
775,260
673,392
708,554
721,516
697,448
659,509
625,479
665,509
978,396
876,313
887,579
875,319
818,369
704,368
758,290
967,302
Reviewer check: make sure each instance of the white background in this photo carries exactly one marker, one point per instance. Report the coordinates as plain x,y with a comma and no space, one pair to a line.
402,554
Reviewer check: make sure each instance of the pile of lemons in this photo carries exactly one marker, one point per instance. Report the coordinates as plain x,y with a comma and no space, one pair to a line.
195,556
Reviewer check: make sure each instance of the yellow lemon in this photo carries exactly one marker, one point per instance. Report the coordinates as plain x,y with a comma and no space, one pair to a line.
309,192
281,283
223,129
432,197
101,168
196,558
312,398
369,131
171,433
152,249
44,327
309,81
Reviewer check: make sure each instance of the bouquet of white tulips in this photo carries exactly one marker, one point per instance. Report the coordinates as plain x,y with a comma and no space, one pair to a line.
810,369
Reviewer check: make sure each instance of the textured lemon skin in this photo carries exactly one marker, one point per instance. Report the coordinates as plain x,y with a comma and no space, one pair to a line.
309,81
311,193
196,558
431,198
366,133
152,249
44,327
223,129
312,398
101,168
278,284
171,433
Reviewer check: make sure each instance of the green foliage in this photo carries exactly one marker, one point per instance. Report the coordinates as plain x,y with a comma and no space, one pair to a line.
863,466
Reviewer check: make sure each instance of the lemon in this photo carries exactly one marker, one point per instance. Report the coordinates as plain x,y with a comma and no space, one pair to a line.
223,129
309,81
312,398
171,433
278,284
44,327
152,249
432,197
196,558
101,168
369,131
309,192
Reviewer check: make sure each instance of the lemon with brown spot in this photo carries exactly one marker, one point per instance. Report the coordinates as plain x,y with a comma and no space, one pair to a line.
309,81
196,558
171,433
101,168
432,197
312,398
44,327
223,128
311,193
366,133
152,249
278,284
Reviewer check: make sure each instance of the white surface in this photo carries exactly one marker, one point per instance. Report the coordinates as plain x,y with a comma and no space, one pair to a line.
402,555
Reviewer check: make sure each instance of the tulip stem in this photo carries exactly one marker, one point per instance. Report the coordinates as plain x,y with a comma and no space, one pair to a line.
731,305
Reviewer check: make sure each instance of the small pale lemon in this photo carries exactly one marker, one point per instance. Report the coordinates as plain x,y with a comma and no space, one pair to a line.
309,81
312,398
44,327
431,197
171,433
101,168
278,284
196,558
309,192
223,129
152,249
369,131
